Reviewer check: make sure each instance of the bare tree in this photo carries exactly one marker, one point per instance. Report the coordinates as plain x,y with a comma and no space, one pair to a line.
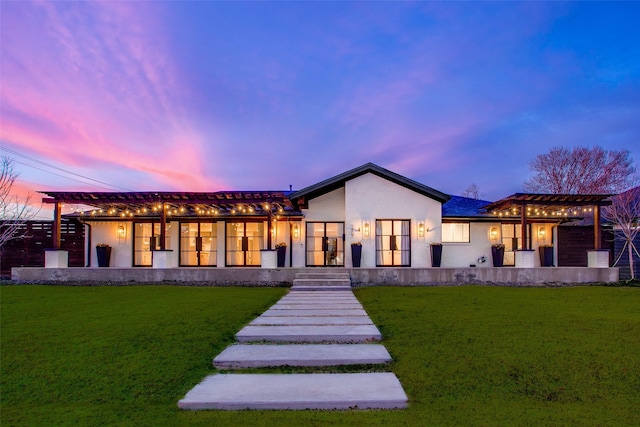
472,192
14,211
581,170
624,213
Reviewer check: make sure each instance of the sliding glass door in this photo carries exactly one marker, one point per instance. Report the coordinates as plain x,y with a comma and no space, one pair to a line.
393,243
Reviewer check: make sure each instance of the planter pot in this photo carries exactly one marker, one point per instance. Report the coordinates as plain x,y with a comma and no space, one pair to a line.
104,255
498,256
546,256
356,255
282,253
436,255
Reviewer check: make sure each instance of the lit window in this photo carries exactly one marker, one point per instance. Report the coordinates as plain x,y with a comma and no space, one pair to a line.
455,232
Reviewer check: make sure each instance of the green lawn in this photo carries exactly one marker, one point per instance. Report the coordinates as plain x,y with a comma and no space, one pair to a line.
465,355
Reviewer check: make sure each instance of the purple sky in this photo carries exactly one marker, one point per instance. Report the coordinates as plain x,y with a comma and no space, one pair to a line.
207,96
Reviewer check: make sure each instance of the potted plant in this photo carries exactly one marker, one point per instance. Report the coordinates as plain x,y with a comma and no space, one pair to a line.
497,253
281,249
436,254
356,253
546,255
103,251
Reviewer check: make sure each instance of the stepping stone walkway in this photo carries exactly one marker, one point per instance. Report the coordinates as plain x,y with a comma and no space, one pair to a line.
318,323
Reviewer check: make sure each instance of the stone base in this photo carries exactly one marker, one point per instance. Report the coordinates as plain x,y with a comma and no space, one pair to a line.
164,259
598,258
56,258
268,258
525,259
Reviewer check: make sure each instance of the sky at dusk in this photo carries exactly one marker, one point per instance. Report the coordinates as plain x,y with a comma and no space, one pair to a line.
209,96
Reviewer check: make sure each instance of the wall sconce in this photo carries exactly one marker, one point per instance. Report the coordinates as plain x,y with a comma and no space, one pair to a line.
366,229
121,232
542,232
493,233
421,229
296,231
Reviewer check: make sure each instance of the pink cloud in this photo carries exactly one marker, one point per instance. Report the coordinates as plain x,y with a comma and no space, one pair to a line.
100,91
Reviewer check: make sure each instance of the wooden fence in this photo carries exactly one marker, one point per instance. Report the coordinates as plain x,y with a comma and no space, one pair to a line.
28,250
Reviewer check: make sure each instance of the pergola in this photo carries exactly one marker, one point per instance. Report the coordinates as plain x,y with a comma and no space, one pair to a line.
181,205
545,207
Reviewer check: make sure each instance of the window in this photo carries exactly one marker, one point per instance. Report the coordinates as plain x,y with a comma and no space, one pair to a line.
455,232
244,242
198,244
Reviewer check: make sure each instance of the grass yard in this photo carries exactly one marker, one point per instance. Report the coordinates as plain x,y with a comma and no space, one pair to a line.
465,355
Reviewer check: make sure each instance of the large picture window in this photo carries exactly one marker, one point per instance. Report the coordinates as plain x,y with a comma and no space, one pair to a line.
393,243
455,232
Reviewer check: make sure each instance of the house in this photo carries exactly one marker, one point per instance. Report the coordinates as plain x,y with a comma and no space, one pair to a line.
393,218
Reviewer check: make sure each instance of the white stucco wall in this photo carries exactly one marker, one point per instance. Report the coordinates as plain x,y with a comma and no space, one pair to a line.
107,232
465,254
370,197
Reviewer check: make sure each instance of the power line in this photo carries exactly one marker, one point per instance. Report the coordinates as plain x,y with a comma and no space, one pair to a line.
60,169
57,174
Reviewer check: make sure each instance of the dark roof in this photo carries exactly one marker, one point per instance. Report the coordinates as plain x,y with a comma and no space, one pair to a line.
301,197
464,207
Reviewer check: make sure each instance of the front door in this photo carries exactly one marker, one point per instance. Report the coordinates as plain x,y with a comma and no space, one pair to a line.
325,244
393,243
244,242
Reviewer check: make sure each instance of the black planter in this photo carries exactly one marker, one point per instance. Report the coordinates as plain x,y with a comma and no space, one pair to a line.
498,256
356,255
281,253
104,255
436,255
546,256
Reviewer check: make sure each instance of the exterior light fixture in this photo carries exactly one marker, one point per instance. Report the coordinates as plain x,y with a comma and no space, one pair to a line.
366,229
121,232
296,231
421,229
542,232
493,233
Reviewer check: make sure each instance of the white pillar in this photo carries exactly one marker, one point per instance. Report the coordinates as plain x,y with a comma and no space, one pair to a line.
56,259
164,259
525,259
598,258
268,258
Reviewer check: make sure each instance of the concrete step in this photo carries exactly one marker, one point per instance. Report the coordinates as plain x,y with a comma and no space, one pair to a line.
297,391
311,320
322,288
344,276
255,356
321,282
310,333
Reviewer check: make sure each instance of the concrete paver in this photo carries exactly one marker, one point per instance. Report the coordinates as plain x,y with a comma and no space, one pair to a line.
281,313
297,391
310,333
264,355
310,320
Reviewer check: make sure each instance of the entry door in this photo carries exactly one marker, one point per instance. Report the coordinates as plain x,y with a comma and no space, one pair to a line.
325,244
393,243
198,244
244,242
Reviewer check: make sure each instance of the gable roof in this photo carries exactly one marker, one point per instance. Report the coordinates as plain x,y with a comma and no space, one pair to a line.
301,197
